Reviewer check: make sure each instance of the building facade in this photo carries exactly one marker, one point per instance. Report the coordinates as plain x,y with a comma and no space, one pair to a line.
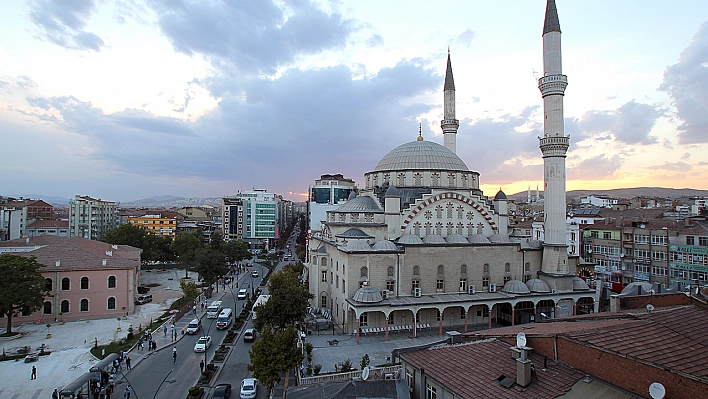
325,195
17,215
253,216
91,218
162,223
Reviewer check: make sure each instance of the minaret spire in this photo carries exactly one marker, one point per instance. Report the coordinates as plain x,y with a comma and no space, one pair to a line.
554,146
449,124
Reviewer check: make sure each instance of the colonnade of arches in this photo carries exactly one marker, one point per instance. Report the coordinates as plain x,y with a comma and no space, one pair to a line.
437,316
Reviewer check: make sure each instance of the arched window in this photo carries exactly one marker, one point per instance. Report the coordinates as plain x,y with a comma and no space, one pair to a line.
389,271
438,228
417,179
463,270
441,270
323,262
449,207
84,283
507,268
527,267
65,306
111,281
65,284
485,269
364,272
416,229
84,305
438,211
416,270
50,284
111,303
47,307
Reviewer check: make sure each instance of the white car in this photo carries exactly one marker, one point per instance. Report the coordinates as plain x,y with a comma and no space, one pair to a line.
242,293
249,387
202,344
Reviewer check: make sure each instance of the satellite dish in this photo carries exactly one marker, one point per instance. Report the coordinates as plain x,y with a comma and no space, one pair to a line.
365,373
656,390
704,291
520,340
650,307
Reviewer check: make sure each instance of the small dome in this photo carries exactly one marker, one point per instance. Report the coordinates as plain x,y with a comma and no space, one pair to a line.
500,196
409,239
434,239
385,245
536,285
516,287
358,245
478,239
393,192
499,239
354,233
363,203
636,288
579,284
456,239
352,195
367,294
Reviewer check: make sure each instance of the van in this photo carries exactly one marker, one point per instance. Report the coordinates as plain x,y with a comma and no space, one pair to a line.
226,317
141,299
242,293
213,310
194,326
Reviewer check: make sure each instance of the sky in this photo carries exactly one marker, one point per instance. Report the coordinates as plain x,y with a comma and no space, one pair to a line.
128,99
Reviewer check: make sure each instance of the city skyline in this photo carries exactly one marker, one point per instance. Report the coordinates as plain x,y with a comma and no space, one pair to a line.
129,100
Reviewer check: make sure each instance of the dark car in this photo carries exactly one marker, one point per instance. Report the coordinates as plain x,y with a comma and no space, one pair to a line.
222,391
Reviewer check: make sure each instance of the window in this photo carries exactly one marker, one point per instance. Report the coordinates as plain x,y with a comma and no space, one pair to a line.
111,281
343,285
658,255
506,279
337,282
440,285
485,268
64,306
430,392
703,241
641,239
84,305
323,301
84,283
658,271
641,254
463,285
390,285
364,320
485,282
527,267
324,276
50,284
111,303
690,240
594,234
607,235
65,284
410,379
658,240
507,268
47,307
415,284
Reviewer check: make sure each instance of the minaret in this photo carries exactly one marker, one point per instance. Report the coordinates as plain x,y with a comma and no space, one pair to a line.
449,124
554,145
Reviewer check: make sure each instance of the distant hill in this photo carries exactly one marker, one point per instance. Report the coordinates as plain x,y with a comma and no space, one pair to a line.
659,192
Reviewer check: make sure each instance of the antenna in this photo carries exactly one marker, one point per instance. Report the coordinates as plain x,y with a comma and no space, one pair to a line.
657,390
365,373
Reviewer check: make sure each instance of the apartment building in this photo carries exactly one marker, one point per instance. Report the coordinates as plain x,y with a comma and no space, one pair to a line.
162,223
688,254
17,214
91,218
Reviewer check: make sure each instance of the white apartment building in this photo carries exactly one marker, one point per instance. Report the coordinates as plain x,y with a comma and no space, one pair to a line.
91,218
326,195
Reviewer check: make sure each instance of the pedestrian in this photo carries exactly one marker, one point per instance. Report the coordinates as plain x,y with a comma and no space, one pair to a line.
194,308
55,394
140,343
165,330
201,366
109,391
127,362
154,345
174,355
34,373
126,393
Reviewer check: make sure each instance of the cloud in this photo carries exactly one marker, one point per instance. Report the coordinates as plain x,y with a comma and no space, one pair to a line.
253,37
629,124
465,38
595,168
674,166
62,21
687,84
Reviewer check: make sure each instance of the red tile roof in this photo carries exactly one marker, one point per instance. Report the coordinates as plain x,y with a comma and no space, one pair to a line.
471,371
49,224
78,253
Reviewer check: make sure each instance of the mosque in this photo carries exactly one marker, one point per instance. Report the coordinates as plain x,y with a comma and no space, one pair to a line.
422,247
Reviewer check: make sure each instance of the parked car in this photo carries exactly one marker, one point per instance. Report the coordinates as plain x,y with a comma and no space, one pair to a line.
249,388
141,299
249,335
202,344
222,391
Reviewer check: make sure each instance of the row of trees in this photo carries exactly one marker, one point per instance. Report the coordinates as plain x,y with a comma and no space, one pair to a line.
210,259
276,350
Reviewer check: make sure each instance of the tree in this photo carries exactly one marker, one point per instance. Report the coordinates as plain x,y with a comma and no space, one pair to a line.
211,264
189,289
127,234
288,301
273,353
155,247
236,251
23,288
186,246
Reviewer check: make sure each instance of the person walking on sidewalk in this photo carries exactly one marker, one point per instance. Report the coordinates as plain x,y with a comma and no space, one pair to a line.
165,330
127,362
201,366
34,373
174,355
126,393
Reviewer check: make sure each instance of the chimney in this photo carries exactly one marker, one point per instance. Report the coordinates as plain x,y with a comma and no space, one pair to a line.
524,368
104,262
109,253
27,240
58,263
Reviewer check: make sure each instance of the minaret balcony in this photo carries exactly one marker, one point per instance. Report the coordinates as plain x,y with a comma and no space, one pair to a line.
554,145
450,123
552,84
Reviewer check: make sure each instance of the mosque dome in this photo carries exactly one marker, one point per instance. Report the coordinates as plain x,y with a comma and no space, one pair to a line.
367,294
409,239
434,239
516,287
360,204
499,239
354,233
478,239
500,196
421,155
456,239
358,245
579,284
385,245
536,285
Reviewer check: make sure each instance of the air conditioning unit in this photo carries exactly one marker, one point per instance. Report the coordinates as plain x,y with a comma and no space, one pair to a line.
554,292
471,289
384,294
492,288
417,292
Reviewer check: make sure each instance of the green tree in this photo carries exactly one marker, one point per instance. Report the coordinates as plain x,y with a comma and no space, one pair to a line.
273,353
187,246
126,234
288,301
236,251
23,288
189,289
211,264
155,247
